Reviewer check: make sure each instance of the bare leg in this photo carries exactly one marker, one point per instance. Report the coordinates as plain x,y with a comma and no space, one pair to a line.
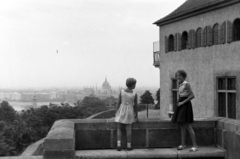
192,134
129,133
183,134
119,131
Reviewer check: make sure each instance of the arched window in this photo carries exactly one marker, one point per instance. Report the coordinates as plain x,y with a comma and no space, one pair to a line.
229,32
204,37
179,43
209,36
198,37
236,30
184,40
191,39
215,34
171,43
223,33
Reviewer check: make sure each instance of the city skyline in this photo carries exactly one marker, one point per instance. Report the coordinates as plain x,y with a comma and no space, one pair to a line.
62,44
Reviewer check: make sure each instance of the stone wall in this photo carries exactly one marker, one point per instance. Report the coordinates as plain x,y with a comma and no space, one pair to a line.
68,136
228,137
154,133
60,141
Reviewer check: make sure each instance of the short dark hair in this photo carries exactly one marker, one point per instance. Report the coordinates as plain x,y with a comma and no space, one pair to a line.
130,82
182,73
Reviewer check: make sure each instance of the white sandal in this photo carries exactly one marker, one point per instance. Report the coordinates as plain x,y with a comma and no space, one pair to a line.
181,147
193,149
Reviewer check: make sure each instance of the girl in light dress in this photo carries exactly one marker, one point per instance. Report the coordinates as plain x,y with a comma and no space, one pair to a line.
183,114
126,113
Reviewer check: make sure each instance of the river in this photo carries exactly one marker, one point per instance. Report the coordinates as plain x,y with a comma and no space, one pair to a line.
18,106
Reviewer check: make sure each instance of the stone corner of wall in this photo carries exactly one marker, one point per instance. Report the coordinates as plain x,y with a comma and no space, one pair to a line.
60,140
227,124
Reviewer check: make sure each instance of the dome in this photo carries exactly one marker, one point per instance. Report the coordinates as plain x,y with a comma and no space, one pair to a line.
106,85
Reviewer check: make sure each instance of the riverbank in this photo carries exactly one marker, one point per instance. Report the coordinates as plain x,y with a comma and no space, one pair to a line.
19,106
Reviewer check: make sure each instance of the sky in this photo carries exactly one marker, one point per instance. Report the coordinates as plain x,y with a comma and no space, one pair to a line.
76,43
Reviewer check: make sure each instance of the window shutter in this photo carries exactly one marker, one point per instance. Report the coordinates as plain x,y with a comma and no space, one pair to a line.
189,42
166,44
175,42
223,33
209,36
179,41
204,40
229,32
215,33
193,39
219,34
199,37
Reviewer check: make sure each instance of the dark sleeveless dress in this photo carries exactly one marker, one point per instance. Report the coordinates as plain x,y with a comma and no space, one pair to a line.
184,113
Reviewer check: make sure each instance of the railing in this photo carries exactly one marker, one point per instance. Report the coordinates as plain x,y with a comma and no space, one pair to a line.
156,53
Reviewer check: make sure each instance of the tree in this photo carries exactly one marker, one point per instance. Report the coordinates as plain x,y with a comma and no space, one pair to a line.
157,106
146,98
7,113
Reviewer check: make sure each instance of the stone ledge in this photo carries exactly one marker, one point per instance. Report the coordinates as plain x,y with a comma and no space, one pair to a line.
171,153
107,124
34,149
203,152
60,136
230,125
60,141
100,154
152,153
22,157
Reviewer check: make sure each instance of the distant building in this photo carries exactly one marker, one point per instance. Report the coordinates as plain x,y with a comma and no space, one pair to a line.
202,37
10,96
16,96
52,95
34,102
104,92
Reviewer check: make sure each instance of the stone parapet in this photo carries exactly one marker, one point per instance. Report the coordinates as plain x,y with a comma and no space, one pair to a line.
228,137
22,157
60,141
34,149
153,133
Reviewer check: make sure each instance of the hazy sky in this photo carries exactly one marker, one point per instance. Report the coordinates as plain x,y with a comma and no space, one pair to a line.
94,38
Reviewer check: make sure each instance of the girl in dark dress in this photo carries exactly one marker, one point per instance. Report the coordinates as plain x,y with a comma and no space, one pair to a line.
183,114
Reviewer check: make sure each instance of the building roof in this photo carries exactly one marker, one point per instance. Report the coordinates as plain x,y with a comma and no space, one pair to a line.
106,85
193,7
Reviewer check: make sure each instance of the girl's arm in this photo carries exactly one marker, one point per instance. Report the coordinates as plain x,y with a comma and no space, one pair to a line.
119,101
190,95
135,106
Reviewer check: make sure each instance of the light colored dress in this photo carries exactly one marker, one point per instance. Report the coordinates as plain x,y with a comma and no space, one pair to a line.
125,113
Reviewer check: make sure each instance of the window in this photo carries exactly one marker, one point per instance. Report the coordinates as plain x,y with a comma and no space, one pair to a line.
171,43
184,40
236,30
198,37
174,93
229,32
223,33
191,39
209,35
215,34
204,37
179,41
226,97
166,44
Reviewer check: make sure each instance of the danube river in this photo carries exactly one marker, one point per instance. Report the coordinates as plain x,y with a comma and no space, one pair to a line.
18,106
